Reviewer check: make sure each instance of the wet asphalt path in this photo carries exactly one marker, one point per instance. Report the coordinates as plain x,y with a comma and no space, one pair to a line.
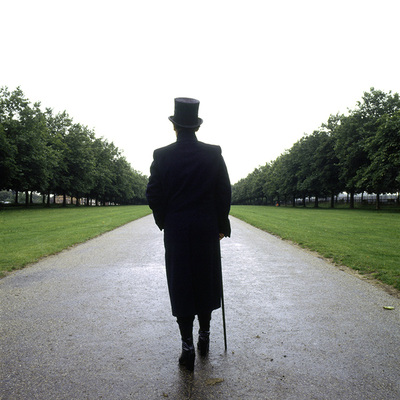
94,322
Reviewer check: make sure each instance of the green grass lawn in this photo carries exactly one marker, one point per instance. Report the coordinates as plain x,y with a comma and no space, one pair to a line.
365,240
26,235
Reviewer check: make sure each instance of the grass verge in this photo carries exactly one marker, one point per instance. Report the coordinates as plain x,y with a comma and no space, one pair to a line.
365,240
26,235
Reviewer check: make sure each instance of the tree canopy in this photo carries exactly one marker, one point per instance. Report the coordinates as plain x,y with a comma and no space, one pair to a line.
44,152
354,153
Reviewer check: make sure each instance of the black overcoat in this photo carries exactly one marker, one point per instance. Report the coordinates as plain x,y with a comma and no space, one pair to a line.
189,193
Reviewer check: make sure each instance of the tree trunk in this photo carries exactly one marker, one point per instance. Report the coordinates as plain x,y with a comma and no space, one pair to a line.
316,203
332,200
352,199
16,197
64,199
26,198
378,203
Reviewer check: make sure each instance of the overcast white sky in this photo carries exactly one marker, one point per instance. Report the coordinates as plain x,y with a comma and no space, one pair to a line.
265,72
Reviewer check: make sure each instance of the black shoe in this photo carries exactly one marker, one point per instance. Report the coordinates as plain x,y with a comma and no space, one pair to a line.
203,344
188,355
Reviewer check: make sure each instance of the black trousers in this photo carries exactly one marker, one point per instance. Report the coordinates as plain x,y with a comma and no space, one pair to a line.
186,324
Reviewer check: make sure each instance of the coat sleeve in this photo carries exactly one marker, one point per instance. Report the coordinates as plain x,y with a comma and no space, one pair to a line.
155,193
223,197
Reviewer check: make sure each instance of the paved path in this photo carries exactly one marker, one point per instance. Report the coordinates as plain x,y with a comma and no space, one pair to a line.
94,323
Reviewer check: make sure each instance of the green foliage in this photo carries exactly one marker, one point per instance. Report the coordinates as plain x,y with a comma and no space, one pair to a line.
365,240
356,153
383,149
26,235
48,153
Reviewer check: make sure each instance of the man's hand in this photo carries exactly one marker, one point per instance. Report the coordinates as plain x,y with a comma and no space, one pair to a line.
221,236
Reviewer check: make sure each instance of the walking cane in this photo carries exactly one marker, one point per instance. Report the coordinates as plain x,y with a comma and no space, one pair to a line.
222,301
223,311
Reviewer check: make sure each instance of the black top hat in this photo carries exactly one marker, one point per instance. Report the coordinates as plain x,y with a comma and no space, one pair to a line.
186,113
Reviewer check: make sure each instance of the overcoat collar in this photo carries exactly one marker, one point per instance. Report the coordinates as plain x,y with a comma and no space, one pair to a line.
187,136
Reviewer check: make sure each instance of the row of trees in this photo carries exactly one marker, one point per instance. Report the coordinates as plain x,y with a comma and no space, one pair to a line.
49,153
354,153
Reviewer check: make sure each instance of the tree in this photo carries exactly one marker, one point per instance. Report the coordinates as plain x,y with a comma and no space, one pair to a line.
325,165
354,153
122,181
382,175
104,154
25,136
48,153
255,184
241,192
58,126
309,178
286,173
11,104
351,154
79,161
331,170
33,150
354,133
139,184
7,160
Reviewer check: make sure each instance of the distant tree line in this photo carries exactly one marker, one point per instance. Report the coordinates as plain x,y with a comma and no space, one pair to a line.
354,153
50,154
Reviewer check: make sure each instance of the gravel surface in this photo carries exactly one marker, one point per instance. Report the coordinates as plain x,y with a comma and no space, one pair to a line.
94,322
